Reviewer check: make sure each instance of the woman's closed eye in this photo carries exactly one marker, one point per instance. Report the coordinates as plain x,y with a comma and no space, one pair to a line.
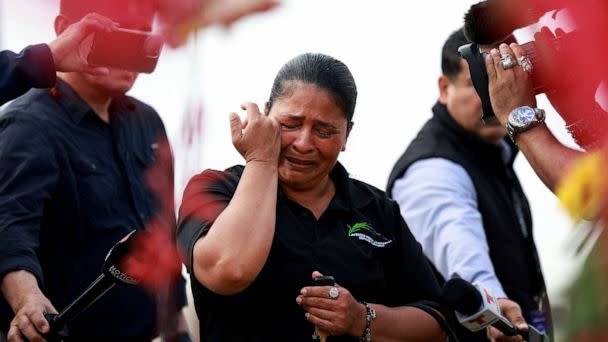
324,133
289,125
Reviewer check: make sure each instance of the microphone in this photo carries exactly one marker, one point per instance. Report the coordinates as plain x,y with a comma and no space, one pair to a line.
110,276
477,308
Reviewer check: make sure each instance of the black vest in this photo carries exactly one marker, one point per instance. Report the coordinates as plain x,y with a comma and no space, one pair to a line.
501,201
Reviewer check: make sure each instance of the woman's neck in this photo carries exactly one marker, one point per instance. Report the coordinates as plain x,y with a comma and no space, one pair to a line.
315,199
98,101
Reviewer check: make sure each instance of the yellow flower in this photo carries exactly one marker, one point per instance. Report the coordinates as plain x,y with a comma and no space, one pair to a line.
581,191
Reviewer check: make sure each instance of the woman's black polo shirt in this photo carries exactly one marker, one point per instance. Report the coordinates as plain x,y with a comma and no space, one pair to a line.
360,239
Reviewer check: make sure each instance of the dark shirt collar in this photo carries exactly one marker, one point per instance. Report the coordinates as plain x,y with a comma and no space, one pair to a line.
347,196
77,108
73,104
476,143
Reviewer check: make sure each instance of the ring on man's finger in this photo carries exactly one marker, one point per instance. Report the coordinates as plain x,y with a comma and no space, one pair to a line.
507,61
525,63
334,293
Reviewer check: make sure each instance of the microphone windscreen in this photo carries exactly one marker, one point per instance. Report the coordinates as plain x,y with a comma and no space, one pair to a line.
461,296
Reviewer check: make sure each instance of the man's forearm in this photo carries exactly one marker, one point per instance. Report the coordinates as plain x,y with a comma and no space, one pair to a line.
547,156
32,68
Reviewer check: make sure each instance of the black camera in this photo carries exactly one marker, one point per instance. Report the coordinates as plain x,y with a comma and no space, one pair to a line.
132,46
542,74
490,23
126,49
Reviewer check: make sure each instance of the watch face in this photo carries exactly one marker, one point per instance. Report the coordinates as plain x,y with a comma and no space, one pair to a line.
522,117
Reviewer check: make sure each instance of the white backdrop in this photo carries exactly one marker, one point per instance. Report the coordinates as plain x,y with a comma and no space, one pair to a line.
392,48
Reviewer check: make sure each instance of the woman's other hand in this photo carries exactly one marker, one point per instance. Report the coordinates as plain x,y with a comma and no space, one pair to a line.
340,316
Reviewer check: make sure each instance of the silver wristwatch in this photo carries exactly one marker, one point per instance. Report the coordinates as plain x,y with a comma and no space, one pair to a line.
522,119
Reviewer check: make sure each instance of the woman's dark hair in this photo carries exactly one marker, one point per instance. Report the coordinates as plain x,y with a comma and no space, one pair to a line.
323,71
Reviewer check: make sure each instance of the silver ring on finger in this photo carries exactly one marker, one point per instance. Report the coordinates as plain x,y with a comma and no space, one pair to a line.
507,61
526,63
334,293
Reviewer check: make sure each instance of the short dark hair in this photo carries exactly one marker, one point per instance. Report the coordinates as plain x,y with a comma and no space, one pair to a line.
136,14
320,70
450,57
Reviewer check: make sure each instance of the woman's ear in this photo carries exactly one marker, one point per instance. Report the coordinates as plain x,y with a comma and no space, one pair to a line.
349,127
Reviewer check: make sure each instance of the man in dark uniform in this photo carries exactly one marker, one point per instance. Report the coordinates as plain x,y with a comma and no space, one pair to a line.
459,194
72,165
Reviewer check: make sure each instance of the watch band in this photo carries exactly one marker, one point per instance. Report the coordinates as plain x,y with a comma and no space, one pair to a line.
539,117
510,131
370,315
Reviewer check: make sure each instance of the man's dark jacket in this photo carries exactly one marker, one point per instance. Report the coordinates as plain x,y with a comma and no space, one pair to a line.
501,201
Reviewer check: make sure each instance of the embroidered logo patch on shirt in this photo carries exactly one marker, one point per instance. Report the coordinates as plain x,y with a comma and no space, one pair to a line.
364,231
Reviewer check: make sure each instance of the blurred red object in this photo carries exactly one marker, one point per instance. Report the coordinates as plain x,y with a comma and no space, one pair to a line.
154,259
580,73
179,18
